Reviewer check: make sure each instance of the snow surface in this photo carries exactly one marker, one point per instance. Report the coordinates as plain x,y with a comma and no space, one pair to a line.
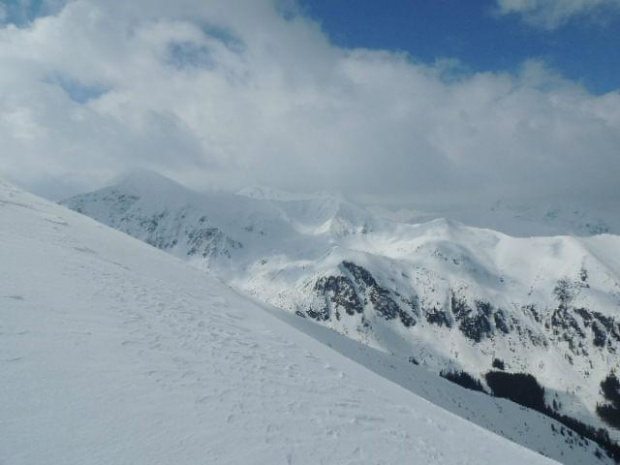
526,427
114,352
277,247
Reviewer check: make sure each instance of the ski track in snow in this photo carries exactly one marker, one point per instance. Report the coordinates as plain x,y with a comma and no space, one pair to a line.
113,352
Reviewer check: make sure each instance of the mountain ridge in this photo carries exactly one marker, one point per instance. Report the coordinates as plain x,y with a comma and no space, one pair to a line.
115,352
448,295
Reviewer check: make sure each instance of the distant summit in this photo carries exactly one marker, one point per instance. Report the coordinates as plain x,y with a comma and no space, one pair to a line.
271,193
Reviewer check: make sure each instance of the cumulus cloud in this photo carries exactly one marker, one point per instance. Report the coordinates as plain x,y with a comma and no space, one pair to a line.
551,14
230,93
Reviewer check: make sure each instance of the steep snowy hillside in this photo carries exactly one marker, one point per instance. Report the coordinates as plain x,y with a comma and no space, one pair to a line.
451,298
113,352
523,426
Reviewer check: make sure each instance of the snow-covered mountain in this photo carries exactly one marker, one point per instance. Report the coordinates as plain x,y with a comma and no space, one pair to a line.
114,352
513,314
521,220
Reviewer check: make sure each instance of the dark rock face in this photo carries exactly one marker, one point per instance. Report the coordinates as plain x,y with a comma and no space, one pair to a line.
500,322
480,322
384,302
438,317
356,290
579,327
533,312
341,292
604,329
361,275
474,324
321,314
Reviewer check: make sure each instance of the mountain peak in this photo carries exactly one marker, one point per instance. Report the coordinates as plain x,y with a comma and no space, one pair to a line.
143,179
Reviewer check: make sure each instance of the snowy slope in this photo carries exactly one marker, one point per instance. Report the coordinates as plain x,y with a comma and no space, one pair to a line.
448,296
526,427
113,352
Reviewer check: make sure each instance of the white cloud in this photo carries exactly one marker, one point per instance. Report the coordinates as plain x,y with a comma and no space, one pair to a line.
551,14
262,99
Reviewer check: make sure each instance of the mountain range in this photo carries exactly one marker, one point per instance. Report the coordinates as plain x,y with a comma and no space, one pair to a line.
533,319
115,352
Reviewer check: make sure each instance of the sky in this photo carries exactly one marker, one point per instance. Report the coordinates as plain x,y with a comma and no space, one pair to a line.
582,46
405,101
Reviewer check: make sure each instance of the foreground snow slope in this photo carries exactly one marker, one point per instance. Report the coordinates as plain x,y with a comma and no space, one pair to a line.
113,352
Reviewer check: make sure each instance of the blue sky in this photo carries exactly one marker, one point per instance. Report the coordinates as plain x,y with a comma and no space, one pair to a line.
20,11
585,49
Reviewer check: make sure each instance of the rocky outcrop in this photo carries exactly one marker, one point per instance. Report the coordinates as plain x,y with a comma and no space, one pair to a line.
356,291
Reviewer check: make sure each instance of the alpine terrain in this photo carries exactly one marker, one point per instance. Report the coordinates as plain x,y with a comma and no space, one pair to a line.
531,319
114,352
